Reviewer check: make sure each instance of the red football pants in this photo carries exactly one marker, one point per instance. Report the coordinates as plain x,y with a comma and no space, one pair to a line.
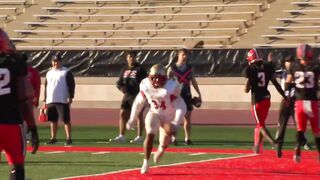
13,143
260,112
304,110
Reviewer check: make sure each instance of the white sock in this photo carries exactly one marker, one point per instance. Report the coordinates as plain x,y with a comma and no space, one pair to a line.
145,161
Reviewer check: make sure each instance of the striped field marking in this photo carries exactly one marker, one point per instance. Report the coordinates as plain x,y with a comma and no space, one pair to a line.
168,165
54,152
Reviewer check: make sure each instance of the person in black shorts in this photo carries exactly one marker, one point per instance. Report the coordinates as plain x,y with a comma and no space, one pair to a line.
58,96
183,73
128,84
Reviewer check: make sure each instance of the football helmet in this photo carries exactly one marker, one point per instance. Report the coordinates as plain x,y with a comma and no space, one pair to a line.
253,56
6,45
157,75
304,51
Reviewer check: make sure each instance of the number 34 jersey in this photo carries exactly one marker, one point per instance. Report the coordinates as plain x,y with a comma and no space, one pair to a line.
306,80
259,74
160,99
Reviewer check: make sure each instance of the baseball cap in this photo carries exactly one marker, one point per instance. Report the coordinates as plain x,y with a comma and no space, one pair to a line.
56,58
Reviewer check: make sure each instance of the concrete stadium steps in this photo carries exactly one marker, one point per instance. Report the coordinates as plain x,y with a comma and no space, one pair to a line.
179,11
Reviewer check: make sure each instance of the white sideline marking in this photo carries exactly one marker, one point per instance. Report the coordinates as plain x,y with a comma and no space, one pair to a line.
54,152
103,152
175,164
101,142
197,154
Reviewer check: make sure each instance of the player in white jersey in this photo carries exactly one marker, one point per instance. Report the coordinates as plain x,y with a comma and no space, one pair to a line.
167,110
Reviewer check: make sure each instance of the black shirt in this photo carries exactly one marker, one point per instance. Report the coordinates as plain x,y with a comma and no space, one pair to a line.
306,80
130,79
10,70
259,75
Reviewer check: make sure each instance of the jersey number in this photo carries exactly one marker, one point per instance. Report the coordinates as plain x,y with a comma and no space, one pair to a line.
304,79
261,79
157,106
4,81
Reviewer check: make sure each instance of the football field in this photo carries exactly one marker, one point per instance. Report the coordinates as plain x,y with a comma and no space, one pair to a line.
218,152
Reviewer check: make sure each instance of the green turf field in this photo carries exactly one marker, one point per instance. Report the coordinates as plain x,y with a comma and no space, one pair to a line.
46,166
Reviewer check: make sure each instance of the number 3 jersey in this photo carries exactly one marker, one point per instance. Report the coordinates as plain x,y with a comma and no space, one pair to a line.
259,74
306,80
160,99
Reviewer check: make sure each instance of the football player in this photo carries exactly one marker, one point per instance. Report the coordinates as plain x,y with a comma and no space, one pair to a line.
167,109
258,75
12,94
305,75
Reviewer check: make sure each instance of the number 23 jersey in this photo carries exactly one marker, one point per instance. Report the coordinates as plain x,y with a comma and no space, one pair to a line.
160,99
306,80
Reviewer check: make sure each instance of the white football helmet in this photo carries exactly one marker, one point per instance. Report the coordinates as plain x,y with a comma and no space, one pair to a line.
157,75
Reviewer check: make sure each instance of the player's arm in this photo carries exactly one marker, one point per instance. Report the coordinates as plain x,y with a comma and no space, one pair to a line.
71,85
278,86
36,85
247,86
137,107
170,74
195,86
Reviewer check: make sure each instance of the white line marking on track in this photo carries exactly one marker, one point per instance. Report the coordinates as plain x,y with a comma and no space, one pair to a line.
197,154
101,142
103,152
167,165
54,152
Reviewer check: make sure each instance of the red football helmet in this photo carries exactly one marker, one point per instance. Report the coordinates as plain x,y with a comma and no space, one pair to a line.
157,75
304,51
6,45
253,56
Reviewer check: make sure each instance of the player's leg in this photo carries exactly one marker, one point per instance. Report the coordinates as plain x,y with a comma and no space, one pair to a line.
15,149
301,120
140,127
314,122
152,124
284,114
187,128
64,113
165,134
53,118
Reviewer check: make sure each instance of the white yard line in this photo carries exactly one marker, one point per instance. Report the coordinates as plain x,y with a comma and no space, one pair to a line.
175,164
54,152
103,152
197,154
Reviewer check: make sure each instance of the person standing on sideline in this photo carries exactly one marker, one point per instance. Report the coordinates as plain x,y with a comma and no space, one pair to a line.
167,109
182,72
258,75
128,84
305,74
12,94
58,96
286,106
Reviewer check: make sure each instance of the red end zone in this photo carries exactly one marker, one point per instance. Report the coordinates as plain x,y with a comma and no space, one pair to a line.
245,166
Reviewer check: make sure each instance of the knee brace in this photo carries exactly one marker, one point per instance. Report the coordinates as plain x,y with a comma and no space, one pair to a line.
17,172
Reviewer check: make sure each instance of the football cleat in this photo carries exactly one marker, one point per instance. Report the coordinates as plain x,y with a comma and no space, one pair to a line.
297,158
52,141
307,146
157,155
145,168
137,140
118,139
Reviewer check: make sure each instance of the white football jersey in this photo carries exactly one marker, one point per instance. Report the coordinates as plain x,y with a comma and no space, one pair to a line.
160,99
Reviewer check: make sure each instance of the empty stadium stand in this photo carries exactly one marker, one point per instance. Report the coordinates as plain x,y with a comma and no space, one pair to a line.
140,24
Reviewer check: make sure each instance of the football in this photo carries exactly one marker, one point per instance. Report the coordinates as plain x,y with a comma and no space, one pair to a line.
196,102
